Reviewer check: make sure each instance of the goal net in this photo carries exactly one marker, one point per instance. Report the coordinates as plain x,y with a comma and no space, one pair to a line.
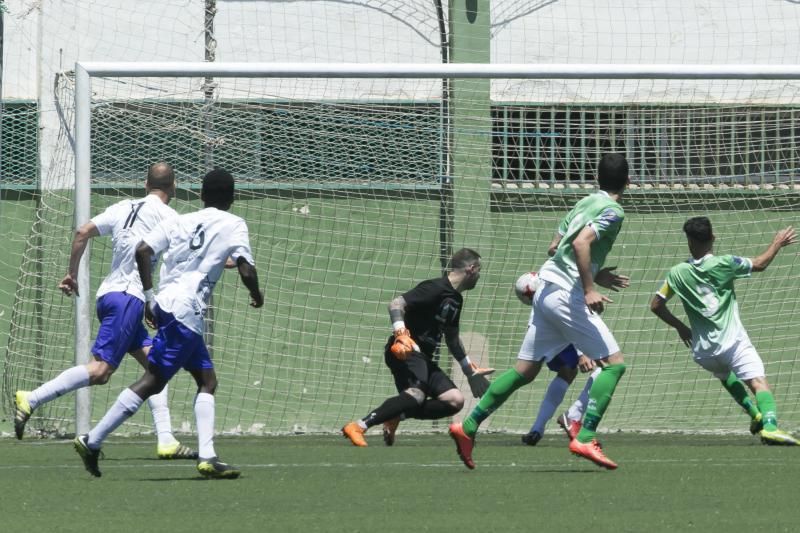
355,188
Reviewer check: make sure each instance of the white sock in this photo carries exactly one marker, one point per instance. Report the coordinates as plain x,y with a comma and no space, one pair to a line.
204,417
69,380
161,419
577,409
552,399
128,402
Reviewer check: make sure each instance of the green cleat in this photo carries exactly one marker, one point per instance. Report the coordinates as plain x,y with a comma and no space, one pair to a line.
756,424
175,450
778,438
22,412
216,469
89,456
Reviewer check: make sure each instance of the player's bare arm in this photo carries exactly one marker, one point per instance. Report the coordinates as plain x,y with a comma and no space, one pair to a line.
658,305
783,238
581,246
69,284
144,258
249,277
551,250
404,344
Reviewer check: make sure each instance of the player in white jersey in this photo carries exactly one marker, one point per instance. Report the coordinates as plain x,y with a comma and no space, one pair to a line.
718,340
120,305
197,247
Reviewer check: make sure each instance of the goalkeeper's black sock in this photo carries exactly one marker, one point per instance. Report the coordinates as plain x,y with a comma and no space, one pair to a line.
391,408
433,410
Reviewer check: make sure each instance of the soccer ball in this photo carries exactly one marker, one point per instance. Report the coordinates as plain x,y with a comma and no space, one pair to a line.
526,286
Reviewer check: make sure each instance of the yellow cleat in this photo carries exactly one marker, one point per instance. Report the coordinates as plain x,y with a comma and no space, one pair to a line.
175,450
22,412
354,432
216,469
778,438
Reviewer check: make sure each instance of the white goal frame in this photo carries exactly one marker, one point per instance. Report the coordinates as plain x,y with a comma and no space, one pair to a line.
85,70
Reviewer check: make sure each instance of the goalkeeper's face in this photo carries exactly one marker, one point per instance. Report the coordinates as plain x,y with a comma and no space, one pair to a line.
472,274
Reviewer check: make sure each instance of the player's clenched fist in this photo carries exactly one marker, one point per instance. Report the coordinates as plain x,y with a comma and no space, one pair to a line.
403,345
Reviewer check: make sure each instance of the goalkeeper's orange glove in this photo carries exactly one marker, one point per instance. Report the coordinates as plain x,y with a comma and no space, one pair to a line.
403,344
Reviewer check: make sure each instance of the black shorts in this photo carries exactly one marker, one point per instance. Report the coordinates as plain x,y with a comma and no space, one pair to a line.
418,372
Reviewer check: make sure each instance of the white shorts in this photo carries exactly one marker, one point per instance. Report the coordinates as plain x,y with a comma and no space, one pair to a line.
561,318
741,358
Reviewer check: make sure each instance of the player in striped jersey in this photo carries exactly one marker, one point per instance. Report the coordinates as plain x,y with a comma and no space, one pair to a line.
567,311
716,336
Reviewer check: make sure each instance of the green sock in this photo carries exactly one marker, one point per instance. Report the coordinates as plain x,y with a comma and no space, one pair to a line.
499,391
766,404
599,398
739,393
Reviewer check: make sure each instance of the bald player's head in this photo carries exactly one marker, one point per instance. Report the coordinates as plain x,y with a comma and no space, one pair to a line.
160,176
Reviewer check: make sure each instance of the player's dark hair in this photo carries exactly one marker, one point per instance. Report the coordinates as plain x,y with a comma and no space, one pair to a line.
217,189
463,258
698,229
160,176
612,172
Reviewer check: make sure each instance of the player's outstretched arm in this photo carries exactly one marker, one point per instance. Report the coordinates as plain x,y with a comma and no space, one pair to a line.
784,237
249,276
658,305
609,279
69,284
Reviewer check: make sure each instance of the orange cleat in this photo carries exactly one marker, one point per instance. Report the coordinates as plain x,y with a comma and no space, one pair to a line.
570,427
592,451
389,429
354,432
464,444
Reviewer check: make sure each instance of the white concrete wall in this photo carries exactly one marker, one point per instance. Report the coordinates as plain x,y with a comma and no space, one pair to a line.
43,37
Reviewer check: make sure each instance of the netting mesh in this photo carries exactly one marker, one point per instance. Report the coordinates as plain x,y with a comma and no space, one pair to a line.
354,190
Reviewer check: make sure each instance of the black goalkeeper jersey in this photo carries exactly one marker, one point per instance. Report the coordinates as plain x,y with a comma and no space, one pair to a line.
431,306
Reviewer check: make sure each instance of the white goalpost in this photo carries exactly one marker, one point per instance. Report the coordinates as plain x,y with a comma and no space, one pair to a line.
358,180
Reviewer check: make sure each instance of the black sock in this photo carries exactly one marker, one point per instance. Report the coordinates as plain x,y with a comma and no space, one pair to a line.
391,408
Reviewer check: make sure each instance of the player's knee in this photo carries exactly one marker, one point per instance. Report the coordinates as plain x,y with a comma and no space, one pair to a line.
417,394
453,399
209,386
99,372
456,404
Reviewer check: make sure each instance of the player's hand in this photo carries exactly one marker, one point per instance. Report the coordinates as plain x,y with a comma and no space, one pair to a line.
685,334
476,370
230,263
478,384
150,315
257,299
607,278
403,345
585,364
69,285
785,237
596,301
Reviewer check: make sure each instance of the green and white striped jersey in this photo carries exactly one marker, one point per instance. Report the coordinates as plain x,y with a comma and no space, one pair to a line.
605,217
705,286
